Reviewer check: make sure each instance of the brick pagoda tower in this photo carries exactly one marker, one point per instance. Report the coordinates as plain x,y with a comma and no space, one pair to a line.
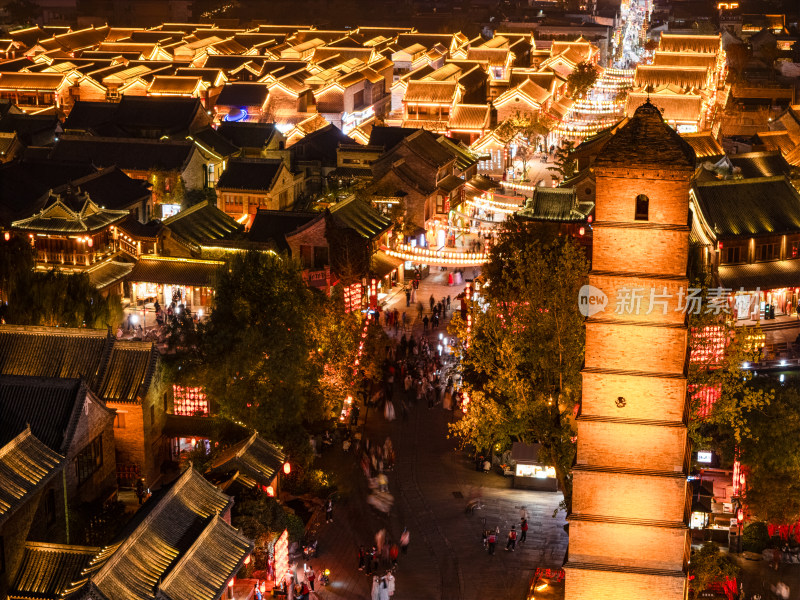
628,535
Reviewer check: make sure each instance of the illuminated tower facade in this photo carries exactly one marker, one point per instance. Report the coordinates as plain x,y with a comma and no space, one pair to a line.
628,533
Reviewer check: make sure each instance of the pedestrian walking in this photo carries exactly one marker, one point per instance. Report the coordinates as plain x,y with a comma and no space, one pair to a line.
524,528
329,511
431,301
362,557
408,297
405,539
311,576
394,551
425,323
512,539
492,541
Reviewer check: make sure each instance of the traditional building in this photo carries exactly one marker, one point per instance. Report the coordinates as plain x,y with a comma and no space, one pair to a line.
249,184
124,375
630,505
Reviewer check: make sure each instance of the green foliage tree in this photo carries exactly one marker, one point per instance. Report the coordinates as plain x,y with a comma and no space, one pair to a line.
582,79
525,349
771,453
260,517
197,195
755,537
708,565
273,353
16,261
350,253
564,165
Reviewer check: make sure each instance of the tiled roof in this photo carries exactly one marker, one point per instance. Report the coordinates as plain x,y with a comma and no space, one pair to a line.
175,271
434,92
108,272
209,140
110,188
54,352
272,226
129,371
388,137
255,457
765,276
689,43
685,59
113,369
685,77
60,217
26,465
465,158
247,135
776,140
360,217
242,94
203,572
203,223
48,570
469,116
250,174
556,204
31,81
760,164
168,534
646,141
351,173
705,145
748,207
126,153
673,106
172,84
50,406
145,231
423,144
450,183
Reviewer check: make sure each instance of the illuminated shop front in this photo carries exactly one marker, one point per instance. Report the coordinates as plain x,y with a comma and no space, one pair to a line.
529,472
180,280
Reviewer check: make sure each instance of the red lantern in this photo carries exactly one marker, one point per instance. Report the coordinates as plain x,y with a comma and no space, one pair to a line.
247,559
739,516
270,491
90,242
287,468
581,231
263,587
7,235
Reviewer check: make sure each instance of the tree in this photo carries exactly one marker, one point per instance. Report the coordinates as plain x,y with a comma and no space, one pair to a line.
273,353
350,253
16,261
582,79
524,132
198,195
708,565
260,518
565,165
525,348
737,56
771,454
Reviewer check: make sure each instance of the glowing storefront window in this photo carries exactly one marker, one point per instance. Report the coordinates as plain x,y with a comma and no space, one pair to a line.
537,471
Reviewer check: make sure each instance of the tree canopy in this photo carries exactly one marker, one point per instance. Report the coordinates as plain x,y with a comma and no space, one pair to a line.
274,354
582,79
51,298
708,565
524,349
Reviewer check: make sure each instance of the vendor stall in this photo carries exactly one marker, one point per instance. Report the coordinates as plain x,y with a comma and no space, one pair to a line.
529,472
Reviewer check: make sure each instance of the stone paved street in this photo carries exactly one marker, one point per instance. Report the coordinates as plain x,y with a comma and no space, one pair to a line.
432,482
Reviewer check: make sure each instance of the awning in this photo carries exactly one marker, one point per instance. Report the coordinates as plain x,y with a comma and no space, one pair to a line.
175,271
383,264
765,276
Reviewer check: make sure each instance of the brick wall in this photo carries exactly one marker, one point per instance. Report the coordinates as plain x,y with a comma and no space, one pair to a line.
648,398
626,445
607,585
628,496
668,193
622,544
664,254
624,347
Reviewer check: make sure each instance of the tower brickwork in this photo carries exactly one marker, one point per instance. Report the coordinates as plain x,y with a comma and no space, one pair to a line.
628,534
